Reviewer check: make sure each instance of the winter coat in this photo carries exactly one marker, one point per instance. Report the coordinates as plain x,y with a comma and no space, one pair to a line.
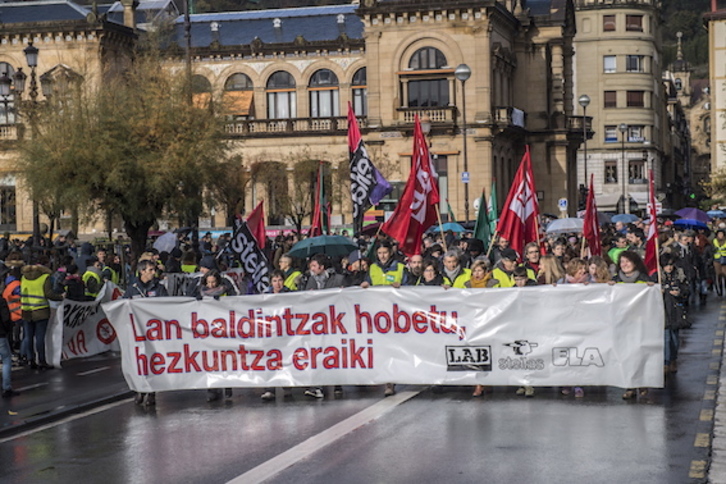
153,288
32,273
676,316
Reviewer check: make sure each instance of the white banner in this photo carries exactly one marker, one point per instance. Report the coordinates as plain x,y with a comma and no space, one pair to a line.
80,329
566,335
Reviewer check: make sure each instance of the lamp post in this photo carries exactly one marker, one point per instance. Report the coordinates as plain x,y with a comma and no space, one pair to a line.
626,199
5,84
463,73
584,101
31,58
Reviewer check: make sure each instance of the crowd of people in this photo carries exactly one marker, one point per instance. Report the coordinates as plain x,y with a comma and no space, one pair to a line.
691,265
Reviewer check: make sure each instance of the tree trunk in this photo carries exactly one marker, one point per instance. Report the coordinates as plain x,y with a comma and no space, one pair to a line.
138,234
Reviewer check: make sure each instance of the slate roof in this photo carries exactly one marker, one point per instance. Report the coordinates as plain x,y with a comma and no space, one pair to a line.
41,11
315,24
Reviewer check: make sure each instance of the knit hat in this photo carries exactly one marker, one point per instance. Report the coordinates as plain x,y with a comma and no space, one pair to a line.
354,257
509,254
208,262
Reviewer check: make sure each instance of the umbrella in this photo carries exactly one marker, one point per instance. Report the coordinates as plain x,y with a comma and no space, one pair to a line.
166,242
625,218
602,218
453,226
716,214
565,226
332,245
371,229
694,214
690,223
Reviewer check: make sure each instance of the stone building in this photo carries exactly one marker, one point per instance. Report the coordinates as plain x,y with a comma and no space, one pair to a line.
716,23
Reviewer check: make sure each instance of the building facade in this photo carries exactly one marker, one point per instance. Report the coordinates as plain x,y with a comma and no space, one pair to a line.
716,23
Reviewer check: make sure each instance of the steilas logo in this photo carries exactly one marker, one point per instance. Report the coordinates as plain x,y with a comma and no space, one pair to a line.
468,358
521,348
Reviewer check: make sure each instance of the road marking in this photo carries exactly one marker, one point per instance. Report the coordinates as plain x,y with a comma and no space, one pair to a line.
716,352
277,464
702,440
68,419
698,469
706,415
720,332
91,372
714,365
30,387
712,380
718,342
709,395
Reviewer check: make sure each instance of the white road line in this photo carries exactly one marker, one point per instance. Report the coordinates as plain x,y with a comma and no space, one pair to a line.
95,370
30,387
277,464
68,419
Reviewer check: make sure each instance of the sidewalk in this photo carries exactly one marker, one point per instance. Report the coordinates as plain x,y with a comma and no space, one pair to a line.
717,470
51,394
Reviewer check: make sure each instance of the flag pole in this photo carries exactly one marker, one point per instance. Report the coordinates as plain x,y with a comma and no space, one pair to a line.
441,228
491,243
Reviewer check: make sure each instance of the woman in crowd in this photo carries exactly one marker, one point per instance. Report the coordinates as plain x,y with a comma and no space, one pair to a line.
550,270
632,270
480,275
675,292
576,272
212,286
598,270
431,274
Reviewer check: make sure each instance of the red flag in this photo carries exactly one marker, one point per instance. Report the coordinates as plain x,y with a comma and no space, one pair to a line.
591,230
256,224
519,221
416,210
651,244
316,228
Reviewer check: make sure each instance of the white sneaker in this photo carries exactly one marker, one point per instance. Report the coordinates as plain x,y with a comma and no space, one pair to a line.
390,389
314,392
268,396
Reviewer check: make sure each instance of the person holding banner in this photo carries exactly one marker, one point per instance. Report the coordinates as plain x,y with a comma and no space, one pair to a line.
454,274
431,274
277,286
292,275
387,271
146,285
502,275
6,330
212,286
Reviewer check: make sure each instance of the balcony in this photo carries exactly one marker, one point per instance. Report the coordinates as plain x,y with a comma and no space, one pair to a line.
575,127
509,117
11,132
294,126
436,115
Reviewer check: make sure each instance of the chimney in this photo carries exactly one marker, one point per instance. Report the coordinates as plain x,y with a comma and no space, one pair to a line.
130,13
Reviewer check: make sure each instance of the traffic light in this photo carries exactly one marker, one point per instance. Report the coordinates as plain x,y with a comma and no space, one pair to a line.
582,204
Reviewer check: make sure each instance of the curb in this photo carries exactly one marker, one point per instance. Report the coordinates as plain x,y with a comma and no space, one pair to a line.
59,413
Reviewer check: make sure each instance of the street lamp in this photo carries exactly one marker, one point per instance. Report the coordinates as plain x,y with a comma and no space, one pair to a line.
5,84
463,73
584,101
31,58
626,199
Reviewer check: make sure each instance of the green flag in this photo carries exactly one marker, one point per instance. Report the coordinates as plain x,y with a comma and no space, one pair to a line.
482,229
492,208
451,212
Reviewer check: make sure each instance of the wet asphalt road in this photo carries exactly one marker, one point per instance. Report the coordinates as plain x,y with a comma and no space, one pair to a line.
420,435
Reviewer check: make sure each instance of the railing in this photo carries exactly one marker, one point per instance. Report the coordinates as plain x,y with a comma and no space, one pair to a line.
574,123
9,132
435,115
293,125
510,116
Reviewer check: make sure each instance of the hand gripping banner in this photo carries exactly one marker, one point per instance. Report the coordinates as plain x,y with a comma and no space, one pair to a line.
566,335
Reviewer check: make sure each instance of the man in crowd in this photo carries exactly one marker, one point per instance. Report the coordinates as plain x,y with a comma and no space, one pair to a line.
620,245
92,278
292,275
531,260
387,271
414,271
146,285
636,241
496,253
454,274
503,273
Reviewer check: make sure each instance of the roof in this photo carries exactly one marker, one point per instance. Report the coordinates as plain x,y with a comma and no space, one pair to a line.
41,11
314,24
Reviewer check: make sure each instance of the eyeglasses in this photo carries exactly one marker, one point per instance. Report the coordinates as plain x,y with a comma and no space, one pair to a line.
429,270
532,252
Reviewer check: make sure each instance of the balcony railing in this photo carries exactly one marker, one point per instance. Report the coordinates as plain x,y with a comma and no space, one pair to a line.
10,132
510,116
435,114
575,123
288,126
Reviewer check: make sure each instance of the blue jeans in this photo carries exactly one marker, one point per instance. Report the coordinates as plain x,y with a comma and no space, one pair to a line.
7,357
672,342
34,329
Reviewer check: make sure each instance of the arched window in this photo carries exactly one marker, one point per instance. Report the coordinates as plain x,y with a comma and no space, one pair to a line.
360,92
427,83
324,96
7,105
201,91
281,99
238,97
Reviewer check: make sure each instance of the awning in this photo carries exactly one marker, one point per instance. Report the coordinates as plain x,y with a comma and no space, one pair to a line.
641,198
607,202
237,103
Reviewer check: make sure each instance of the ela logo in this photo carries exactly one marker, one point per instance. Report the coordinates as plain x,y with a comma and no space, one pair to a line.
572,357
468,358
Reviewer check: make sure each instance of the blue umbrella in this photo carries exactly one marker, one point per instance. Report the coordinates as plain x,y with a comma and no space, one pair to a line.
690,223
716,214
453,226
693,214
625,218
332,245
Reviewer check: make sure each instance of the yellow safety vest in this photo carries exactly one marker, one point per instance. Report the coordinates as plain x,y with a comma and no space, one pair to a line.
290,280
32,295
189,269
720,249
505,280
460,280
86,277
380,278
114,275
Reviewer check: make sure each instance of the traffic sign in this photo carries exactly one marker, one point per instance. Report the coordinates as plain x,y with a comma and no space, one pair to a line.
562,203
465,176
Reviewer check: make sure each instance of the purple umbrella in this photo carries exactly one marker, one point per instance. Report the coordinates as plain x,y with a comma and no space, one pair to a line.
694,214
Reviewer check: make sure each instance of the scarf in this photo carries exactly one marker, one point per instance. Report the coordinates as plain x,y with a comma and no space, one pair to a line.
479,283
629,279
452,275
321,279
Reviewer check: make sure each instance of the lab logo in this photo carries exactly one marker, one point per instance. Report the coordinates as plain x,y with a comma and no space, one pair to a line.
521,347
468,358
577,357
